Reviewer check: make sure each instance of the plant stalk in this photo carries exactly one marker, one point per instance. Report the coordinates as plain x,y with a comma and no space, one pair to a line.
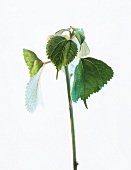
75,164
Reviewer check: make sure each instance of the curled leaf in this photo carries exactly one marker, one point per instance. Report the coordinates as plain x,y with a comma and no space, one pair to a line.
60,32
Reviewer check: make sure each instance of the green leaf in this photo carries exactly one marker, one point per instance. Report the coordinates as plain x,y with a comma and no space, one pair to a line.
33,95
89,77
61,51
32,61
79,34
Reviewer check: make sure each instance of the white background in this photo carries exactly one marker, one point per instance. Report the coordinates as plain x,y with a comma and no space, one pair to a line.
42,140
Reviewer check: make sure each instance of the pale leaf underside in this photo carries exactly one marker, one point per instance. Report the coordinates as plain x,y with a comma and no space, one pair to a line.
84,50
33,92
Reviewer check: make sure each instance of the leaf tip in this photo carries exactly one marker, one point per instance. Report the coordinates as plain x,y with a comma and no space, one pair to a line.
85,104
24,50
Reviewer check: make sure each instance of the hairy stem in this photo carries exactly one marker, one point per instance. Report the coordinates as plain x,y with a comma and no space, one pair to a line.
71,119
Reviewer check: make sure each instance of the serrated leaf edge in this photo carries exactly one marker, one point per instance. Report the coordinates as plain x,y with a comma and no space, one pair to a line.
99,89
38,86
33,62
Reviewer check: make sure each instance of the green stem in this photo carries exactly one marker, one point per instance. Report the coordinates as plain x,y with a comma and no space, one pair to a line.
71,118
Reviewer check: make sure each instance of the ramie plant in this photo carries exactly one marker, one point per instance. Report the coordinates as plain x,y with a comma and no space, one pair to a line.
67,50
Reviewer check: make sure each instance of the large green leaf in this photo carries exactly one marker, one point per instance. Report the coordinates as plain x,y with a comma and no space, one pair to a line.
79,34
32,61
61,51
89,77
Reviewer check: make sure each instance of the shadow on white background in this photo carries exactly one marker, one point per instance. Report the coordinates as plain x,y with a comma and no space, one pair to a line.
42,140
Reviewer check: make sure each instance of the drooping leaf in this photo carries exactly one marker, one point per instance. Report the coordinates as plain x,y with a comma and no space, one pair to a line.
33,92
60,32
89,77
61,51
84,50
79,34
32,61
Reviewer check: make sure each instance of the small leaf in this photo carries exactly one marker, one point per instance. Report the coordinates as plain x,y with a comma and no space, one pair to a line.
89,77
32,61
79,34
61,51
33,92
84,50
60,32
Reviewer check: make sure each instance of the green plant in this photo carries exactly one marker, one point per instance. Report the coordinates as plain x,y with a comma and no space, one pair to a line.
67,49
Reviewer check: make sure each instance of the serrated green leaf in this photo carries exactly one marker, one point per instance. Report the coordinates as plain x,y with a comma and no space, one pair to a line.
79,34
89,77
33,92
61,51
32,61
